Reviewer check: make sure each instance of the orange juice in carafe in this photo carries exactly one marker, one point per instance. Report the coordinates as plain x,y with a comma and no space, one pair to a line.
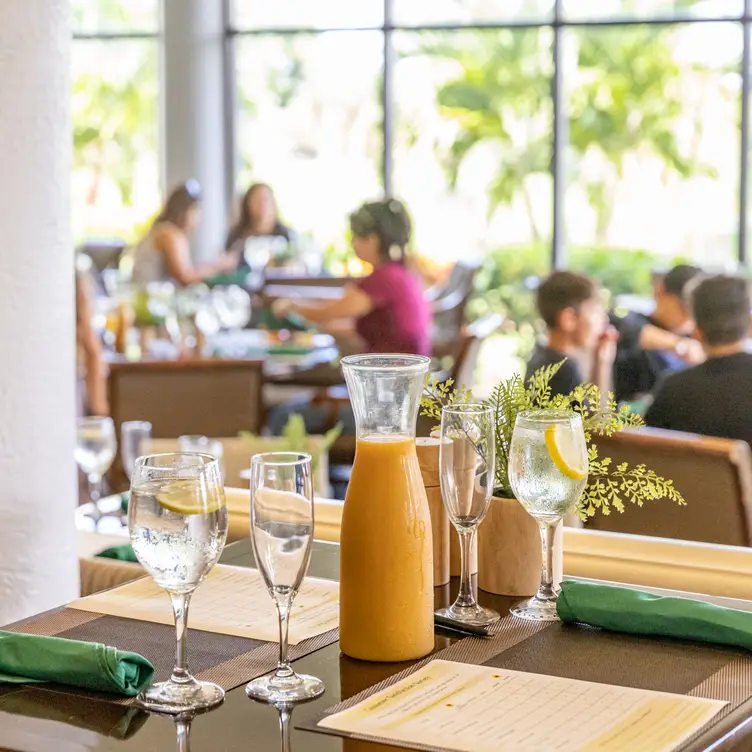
386,570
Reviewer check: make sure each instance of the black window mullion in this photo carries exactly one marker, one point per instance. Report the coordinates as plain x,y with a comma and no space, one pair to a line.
387,100
558,251
745,125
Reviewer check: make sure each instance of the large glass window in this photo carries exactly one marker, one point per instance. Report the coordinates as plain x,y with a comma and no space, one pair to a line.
115,110
115,16
305,14
460,12
644,97
310,125
653,154
473,139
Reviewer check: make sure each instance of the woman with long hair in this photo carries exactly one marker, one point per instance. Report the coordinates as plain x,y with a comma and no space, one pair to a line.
387,309
164,252
258,218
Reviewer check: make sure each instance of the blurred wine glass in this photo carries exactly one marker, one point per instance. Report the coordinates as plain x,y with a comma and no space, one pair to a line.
95,450
133,436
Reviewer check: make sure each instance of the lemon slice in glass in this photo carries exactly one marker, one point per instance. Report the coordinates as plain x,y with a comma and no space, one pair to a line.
565,451
184,497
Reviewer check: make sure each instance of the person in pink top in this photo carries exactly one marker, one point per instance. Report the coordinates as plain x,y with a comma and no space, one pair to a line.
387,310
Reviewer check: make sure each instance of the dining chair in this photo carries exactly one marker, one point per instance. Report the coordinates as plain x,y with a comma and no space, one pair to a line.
714,475
449,306
210,397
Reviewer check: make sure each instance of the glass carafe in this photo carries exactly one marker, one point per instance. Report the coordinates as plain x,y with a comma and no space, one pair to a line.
386,570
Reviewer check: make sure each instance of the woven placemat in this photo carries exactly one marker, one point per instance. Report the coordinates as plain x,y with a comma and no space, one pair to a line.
588,654
222,659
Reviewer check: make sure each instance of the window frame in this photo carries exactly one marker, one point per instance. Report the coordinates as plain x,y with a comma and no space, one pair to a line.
558,23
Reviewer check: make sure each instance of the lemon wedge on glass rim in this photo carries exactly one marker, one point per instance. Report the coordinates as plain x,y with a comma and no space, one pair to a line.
185,497
565,452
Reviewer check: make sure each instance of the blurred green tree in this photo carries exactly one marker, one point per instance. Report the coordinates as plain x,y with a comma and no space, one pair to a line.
626,101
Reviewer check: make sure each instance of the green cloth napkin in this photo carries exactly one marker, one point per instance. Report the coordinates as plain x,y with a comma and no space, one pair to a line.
637,612
292,322
26,658
123,552
230,278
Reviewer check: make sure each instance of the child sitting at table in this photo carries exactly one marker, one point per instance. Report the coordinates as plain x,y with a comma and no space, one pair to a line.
577,332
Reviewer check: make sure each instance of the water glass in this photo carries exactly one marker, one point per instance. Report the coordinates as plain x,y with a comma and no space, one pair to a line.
548,468
95,450
133,435
177,518
467,459
282,536
202,445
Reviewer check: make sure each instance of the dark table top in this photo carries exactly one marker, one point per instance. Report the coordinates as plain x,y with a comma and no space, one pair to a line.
37,721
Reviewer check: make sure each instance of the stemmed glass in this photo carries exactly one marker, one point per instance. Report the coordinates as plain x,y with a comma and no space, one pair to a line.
95,450
177,519
466,460
548,468
282,535
133,435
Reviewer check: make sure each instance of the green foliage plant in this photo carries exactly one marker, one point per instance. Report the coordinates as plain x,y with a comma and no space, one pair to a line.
609,486
295,439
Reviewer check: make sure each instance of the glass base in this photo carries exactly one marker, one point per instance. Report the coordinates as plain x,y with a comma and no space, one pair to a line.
284,691
536,609
474,616
171,697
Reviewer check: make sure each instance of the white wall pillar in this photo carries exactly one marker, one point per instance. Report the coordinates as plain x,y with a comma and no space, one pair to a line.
194,135
38,483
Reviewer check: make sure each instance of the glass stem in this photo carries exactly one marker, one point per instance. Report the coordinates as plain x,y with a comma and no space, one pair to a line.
183,735
465,597
180,603
95,494
283,666
547,591
285,714
95,487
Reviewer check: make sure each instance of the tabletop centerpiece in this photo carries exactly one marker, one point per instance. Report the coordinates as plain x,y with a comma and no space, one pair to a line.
509,540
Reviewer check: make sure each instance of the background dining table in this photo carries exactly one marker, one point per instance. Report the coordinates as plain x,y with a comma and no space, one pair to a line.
33,719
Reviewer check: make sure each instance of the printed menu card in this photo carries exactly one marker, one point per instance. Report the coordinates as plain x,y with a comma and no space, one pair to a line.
231,601
468,708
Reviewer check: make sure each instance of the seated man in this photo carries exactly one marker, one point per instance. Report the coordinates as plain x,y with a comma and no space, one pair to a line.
651,346
577,325
714,398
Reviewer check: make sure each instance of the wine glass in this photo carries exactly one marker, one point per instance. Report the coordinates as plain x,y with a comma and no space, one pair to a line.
95,450
177,520
548,468
282,535
133,434
466,462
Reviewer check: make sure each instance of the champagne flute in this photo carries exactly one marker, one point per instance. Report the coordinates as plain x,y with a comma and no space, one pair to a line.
133,434
177,520
282,535
95,450
548,468
466,461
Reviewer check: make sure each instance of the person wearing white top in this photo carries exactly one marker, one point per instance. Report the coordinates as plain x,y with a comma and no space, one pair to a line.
164,252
